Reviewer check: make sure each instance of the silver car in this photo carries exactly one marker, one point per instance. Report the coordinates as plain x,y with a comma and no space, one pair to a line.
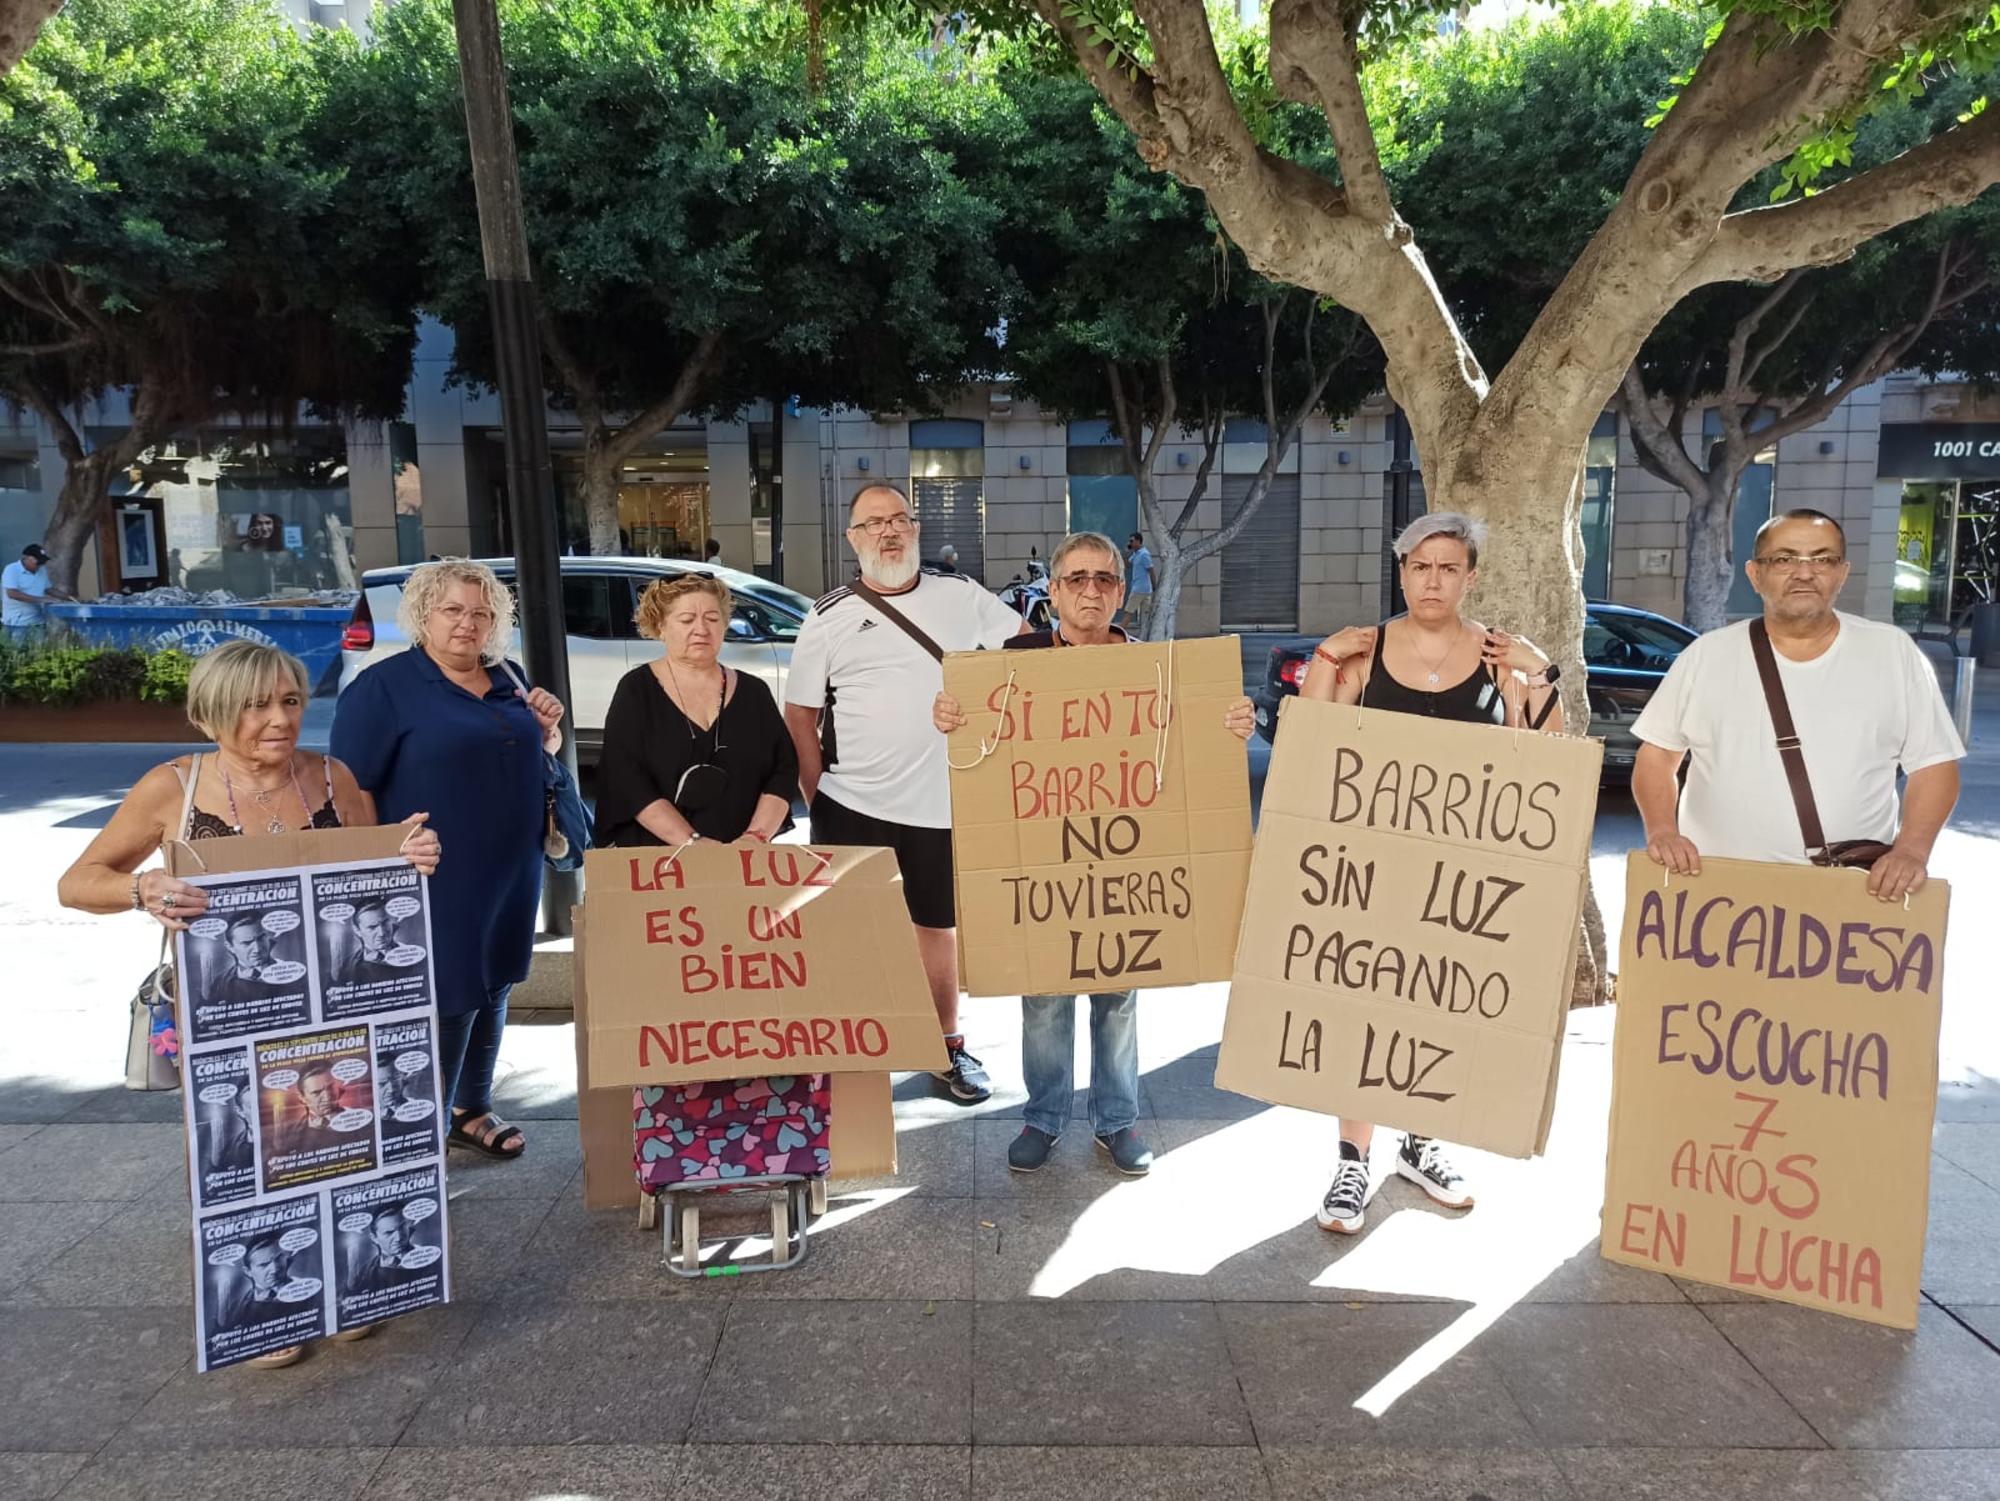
599,595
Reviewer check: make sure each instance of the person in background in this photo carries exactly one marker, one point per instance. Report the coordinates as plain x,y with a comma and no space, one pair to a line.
870,764
711,552
1430,661
1087,587
24,587
1143,578
250,700
692,749
948,559
437,727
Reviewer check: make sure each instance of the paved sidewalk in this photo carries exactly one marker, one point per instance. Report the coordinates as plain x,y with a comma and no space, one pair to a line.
964,1332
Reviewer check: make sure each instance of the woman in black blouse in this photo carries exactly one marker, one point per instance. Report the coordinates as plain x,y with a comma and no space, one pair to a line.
692,749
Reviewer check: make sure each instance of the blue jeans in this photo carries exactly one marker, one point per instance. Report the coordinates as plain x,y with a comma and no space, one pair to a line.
468,1047
1048,1053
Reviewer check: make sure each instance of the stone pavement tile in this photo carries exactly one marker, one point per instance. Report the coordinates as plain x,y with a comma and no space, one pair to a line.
1010,1100
933,1161
77,1375
31,1239
1104,1373
1866,1387
1008,1472
1984,1319
601,1255
1961,1258
1076,1169
604,1472
825,1472
1978,1100
895,1248
124,1107
1185,1090
1973,1146
552,1156
905,1365
138,1256
1637,1374
1929,1475
1709,1475
1376,1473
13,1136
37,1477
206,1475
1587,1277
489,1244
74,1164
36,1101
341,1395
1306,1371
569,1373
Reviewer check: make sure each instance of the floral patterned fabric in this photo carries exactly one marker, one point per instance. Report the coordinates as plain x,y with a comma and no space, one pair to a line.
730,1128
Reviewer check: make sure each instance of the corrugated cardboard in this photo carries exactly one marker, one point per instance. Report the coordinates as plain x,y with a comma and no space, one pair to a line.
1774,1083
1410,928
1075,872
803,961
213,857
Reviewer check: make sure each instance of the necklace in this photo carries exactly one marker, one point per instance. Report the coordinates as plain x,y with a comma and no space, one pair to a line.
262,797
1431,675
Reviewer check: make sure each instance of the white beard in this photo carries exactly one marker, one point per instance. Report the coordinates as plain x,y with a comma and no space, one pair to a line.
886,575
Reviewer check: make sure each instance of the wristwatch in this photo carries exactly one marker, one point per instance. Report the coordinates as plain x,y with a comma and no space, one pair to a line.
1546,676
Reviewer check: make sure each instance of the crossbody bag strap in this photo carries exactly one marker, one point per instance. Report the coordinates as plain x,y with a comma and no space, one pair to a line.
159,997
898,619
1789,751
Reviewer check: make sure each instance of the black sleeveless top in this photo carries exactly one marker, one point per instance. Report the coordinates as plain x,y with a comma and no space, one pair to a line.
1476,700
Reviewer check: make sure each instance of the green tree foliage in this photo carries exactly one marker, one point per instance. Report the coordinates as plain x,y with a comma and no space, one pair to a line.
178,225
707,231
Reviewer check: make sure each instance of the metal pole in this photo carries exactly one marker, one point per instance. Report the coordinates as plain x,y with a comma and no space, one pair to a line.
778,489
1965,671
517,345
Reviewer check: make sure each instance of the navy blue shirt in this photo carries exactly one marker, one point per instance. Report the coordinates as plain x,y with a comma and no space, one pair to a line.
421,744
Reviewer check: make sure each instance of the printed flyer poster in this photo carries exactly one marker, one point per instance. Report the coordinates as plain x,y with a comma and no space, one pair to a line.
316,1161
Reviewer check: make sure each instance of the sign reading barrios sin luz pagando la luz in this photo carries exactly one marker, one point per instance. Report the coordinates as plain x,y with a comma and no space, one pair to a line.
1410,932
1774,1083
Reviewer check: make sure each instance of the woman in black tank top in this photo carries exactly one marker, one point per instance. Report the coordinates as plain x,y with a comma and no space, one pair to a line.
1431,661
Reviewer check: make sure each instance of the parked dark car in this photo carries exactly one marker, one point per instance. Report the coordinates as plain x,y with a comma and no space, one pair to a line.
1625,653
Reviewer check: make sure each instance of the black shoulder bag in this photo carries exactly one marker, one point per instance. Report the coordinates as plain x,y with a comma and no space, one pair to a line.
1842,852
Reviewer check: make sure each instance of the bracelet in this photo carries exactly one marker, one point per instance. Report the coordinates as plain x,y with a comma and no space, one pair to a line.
1326,656
138,901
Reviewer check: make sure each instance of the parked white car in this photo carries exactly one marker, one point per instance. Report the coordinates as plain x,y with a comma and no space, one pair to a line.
599,595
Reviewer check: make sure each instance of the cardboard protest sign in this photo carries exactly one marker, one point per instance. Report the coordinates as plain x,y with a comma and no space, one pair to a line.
1100,816
1410,930
310,1090
735,961
1774,1080
862,1125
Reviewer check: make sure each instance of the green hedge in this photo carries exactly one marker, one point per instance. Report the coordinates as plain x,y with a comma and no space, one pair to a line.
49,670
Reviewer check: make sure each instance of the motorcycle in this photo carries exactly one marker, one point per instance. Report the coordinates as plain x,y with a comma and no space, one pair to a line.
1027,594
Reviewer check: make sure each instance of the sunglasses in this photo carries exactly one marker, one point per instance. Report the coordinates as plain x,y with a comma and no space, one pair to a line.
1104,581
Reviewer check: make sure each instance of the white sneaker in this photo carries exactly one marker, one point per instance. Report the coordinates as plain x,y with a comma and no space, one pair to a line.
1421,1161
1344,1209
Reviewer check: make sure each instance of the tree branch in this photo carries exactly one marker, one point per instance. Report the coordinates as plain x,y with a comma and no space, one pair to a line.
21,21
1313,61
39,401
1661,451
667,410
1214,424
40,351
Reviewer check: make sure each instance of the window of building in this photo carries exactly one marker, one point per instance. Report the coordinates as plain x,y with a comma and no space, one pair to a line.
1753,508
948,490
1600,484
1103,496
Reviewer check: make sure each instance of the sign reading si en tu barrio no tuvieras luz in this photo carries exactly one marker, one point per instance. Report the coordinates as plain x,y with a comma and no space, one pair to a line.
1774,1080
1410,932
732,961
1104,841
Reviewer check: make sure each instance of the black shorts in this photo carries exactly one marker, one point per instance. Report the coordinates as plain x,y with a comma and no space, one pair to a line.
923,855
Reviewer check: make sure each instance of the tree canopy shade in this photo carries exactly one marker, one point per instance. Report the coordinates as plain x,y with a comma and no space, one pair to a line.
176,228
706,230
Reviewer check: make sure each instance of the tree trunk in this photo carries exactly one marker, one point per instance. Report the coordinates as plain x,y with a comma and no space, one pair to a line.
21,21
79,506
1711,570
600,492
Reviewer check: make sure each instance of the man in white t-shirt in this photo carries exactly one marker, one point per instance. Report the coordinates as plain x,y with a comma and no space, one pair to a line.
23,587
858,703
1864,704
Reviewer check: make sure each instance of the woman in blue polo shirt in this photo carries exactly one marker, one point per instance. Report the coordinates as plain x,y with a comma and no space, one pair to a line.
434,730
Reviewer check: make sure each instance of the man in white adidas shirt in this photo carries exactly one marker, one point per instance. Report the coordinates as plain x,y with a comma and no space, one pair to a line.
858,703
1864,703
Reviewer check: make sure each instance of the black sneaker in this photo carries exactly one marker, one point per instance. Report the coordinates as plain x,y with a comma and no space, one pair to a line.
1344,1209
1028,1151
966,1078
1424,1164
1129,1152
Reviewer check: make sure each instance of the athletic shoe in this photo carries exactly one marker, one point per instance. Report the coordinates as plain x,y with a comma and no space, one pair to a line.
1129,1152
966,1077
1344,1209
1028,1151
1424,1164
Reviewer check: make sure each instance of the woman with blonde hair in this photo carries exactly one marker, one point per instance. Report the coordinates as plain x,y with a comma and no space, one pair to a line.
449,727
249,699
692,749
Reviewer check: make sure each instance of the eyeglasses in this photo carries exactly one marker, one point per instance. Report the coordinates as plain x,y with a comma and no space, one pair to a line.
1104,581
1793,562
456,613
876,525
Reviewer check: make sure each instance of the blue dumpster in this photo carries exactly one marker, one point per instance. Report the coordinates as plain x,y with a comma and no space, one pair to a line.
309,632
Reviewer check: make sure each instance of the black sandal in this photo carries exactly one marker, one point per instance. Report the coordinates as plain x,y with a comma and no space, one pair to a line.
494,1145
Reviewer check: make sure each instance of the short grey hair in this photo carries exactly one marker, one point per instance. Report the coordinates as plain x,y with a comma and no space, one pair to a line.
427,585
226,681
1468,529
1076,541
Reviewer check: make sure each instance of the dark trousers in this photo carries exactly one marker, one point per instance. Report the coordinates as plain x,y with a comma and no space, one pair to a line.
468,1047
